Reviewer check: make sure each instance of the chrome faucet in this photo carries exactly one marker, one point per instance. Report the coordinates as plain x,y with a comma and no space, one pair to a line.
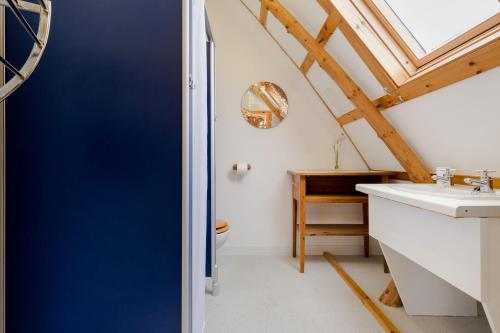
483,184
443,176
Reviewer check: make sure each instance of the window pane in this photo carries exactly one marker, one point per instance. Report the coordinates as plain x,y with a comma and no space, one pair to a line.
434,22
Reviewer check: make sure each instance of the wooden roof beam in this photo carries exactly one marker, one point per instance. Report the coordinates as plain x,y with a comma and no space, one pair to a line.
327,30
382,62
472,63
380,103
263,14
403,153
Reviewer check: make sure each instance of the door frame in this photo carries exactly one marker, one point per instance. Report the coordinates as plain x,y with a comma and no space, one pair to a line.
186,253
2,177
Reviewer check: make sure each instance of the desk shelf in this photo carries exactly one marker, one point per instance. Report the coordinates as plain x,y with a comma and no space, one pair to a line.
336,230
335,198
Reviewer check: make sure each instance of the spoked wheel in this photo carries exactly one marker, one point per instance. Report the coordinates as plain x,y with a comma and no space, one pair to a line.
43,9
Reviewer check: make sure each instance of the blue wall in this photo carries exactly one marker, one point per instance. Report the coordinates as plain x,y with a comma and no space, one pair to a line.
94,172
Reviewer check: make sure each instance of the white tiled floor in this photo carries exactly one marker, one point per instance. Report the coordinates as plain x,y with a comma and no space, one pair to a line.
267,294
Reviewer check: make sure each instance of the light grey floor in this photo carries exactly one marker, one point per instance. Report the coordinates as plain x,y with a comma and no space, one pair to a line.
267,294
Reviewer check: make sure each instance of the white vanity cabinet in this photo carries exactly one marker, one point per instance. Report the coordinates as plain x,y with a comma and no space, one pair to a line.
442,258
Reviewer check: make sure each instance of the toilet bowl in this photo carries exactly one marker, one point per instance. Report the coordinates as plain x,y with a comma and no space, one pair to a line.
221,233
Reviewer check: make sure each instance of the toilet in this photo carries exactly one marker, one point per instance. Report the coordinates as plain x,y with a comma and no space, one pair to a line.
221,232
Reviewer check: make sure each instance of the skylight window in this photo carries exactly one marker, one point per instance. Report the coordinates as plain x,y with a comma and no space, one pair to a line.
433,27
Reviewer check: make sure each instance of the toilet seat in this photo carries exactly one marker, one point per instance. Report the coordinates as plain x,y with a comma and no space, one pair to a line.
221,226
222,232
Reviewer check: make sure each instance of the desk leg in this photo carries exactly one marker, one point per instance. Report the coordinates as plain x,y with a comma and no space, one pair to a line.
302,228
294,228
366,238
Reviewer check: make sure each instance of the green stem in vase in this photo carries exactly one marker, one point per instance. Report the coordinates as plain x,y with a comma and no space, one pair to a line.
336,150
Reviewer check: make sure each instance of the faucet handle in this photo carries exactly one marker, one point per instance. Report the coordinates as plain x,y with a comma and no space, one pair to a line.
485,175
445,172
443,176
485,172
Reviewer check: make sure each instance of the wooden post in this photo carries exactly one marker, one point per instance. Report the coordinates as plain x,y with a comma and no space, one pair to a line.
302,227
366,239
294,227
263,14
390,296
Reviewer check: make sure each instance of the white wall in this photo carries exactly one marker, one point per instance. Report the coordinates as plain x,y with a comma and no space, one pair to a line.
258,205
456,126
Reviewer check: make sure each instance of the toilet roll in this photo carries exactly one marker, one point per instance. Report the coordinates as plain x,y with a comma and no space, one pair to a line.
241,168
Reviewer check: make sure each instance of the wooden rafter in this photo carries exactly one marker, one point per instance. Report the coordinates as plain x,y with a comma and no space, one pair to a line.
403,153
267,101
382,62
263,14
327,30
473,63
380,103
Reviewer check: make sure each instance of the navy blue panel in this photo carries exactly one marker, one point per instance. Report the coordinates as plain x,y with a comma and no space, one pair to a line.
208,261
94,172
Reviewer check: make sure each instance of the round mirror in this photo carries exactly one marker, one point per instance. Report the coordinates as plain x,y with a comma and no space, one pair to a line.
264,105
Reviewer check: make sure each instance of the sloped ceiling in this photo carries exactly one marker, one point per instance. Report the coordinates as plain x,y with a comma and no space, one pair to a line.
455,126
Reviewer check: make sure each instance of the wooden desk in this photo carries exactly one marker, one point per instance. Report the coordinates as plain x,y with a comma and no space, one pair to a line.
330,187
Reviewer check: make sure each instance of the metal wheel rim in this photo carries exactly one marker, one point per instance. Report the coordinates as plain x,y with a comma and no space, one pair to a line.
44,9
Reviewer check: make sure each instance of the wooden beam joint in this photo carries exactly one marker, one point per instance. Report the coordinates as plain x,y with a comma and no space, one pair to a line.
263,14
331,23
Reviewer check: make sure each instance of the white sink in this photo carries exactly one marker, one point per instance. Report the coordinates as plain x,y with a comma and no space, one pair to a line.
457,201
442,246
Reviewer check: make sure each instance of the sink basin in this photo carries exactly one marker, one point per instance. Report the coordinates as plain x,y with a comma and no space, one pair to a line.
456,201
460,192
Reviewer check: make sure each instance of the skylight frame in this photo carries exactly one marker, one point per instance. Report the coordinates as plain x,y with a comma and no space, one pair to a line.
385,15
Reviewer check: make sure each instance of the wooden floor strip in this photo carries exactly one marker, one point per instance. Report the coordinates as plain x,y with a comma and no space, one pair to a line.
381,318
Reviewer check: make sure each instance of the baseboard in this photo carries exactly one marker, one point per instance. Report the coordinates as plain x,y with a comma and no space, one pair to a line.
313,249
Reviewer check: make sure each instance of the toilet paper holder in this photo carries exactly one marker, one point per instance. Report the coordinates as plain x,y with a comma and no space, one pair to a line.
247,166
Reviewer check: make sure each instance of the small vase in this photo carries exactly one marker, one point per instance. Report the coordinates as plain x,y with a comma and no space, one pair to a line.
337,160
